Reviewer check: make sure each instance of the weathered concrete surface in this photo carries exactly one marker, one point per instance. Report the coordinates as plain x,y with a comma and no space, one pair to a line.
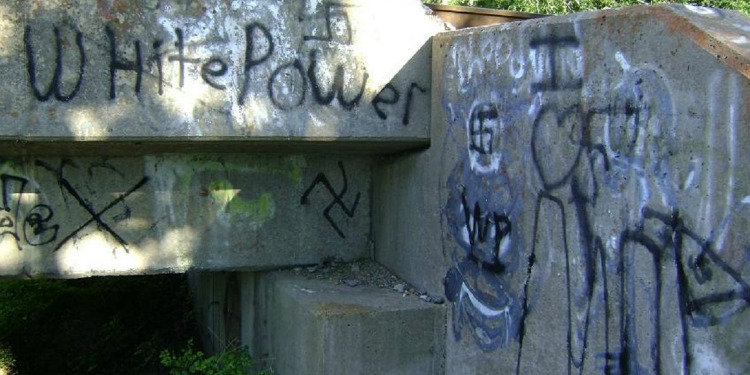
225,310
406,216
85,70
318,327
97,215
218,308
592,205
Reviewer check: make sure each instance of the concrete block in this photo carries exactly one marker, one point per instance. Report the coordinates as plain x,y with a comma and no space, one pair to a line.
593,199
318,327
75,217
251,70
406,218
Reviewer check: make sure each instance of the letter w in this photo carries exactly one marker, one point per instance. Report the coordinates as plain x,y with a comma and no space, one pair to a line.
54,87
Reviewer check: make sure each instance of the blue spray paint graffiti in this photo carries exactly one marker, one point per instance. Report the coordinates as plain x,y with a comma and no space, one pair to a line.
637,284
489,241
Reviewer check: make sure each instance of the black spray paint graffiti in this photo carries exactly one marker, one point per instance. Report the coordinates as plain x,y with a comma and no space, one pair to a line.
640,313
38,228
337,28
640,102
565,122
337,197
289,84
55,85
389,95
35,224
678,253
96,216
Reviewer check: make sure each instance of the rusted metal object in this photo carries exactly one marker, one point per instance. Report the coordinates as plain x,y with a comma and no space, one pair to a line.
465,17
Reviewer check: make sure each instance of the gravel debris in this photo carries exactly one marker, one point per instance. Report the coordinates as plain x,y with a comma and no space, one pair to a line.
400,287
364,272
432,298
351,282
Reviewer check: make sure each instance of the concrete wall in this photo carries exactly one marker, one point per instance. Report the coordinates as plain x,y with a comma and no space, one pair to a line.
211,70
585,194
582,206
142,82
74,217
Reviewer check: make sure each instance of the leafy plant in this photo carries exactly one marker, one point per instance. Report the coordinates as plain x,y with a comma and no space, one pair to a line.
101,325
6,361
235,361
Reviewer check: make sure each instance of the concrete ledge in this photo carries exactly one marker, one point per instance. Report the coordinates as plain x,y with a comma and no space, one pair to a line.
317,327
208,145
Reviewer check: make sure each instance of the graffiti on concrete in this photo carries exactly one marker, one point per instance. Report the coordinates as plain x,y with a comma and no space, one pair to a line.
321,178
322,70
82,216
54,86
389,95
487,233
35,224
612,215
254,212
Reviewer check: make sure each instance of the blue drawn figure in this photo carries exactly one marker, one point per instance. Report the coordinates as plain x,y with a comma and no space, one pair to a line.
566,160
569,194
639,136
481,209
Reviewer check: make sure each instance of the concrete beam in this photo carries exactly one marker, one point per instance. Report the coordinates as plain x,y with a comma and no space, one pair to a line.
303,71
75,217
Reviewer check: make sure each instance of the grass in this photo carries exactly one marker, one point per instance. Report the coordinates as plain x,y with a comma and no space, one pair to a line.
572,6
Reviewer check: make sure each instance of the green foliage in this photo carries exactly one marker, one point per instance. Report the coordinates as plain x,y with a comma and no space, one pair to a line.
7,361
105,325
572,6
194,362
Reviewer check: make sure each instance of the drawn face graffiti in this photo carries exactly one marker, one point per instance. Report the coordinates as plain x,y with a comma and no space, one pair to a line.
480,211
483,130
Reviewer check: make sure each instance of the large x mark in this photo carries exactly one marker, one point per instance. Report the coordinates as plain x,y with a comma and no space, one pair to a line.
97,216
